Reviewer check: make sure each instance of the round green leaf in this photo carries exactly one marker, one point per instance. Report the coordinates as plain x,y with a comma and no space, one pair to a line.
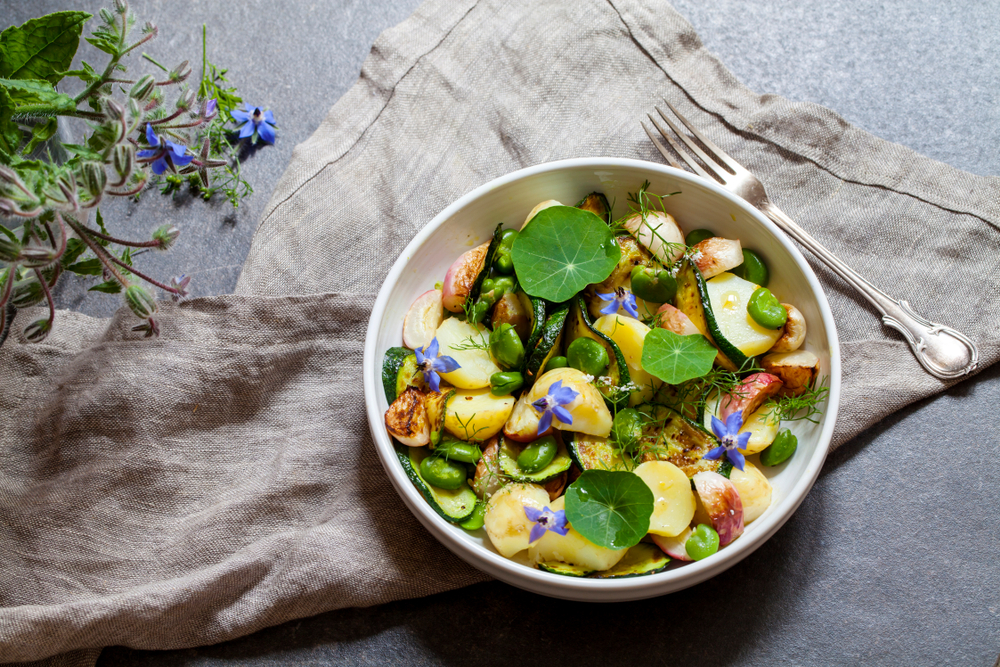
561,251
611,508
674,358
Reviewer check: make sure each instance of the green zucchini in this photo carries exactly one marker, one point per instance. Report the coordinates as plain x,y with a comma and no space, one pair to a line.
640,560
484,273
692,300
408,375
507,458
590,452
436,406
536,310
597,204
669,436
391,362
565,569
455,506
547,345
580,325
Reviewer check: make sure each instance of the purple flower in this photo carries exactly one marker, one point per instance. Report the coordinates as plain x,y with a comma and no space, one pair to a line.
545,519
210,108
552,404
164,154
180,283
620,298
256,121
732,440
431,364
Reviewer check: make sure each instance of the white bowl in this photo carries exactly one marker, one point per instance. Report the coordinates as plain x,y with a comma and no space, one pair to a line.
700,204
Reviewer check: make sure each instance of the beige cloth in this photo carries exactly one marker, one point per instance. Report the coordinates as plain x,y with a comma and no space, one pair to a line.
221,479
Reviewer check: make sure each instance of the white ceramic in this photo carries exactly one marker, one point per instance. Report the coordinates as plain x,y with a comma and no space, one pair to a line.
700,204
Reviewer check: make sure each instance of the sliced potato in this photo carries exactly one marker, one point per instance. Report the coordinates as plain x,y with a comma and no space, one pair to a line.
510,310
673,499
763,428
729,295
754,490
573,548
476,414
797,369
628,334
717,255
589,412
476,366
506,523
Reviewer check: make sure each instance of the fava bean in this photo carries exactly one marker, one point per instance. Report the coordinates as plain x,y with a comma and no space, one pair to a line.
537,455
588,356
502,285
704,542
457,450
765,309
627,428
556,362
506,346
476,519
505,384
503,263
780,450
698,235
442,473
753,268
653,285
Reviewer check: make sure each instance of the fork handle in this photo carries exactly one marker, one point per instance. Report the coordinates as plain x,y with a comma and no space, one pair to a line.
944,352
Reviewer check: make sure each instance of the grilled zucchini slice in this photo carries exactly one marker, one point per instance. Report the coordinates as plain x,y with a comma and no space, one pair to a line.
640,560
579,325
507,457
693,300
455,506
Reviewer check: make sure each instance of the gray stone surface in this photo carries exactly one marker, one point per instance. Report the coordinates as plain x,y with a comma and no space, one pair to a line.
892,557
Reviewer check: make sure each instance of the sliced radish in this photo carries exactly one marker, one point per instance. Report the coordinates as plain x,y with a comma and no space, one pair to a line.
675,320
461,276
659,233
749,395
674,546
422,319
717,255
720,504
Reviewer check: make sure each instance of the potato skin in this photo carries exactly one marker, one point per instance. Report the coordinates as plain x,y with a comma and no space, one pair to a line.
406,419
798,370
794,333
461,276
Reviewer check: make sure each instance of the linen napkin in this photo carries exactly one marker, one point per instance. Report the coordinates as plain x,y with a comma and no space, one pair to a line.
222,478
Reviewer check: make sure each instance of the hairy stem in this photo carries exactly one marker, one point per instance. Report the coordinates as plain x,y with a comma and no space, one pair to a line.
48,295
132,244
102,255
151,281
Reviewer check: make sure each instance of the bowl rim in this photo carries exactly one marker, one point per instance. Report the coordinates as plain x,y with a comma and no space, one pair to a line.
572,587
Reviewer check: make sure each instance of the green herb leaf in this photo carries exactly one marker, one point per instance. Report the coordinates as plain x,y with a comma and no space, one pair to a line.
88,267
37,91
10,135
74,248
611,508
674,358
109,287
41,48
561,251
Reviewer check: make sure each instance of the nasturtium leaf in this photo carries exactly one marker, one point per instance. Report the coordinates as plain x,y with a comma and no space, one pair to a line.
41,48
561,251
611,508
674,358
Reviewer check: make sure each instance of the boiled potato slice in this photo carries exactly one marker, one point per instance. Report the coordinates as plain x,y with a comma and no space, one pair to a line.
763,427
506,523
476,365
729,295
476,414
573,548
754,490
590,413
628,334
541,206
673,499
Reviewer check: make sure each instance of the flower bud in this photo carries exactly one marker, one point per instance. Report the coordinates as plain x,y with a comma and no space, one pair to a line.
142,88
151,328
107,17
7,207
8,175
67,185
124,158
140,301
180,73
113,109
94,178
27,293
186,99
210,109
166,235
149,28
37,331
9,250
121,6
36,256
180,283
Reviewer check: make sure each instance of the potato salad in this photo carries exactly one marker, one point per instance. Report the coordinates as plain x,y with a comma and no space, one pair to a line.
597,396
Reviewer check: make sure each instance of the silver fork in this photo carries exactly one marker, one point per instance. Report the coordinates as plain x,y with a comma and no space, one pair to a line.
944,352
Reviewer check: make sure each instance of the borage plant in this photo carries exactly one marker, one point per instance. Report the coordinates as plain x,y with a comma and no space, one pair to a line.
135,136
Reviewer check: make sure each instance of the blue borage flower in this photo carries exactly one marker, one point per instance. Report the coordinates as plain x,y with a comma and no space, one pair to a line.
255,120
552,404
545,519
431,364
164,154
620,298
731,438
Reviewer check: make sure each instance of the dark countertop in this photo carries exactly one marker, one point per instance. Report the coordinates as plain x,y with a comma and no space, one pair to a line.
891,559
